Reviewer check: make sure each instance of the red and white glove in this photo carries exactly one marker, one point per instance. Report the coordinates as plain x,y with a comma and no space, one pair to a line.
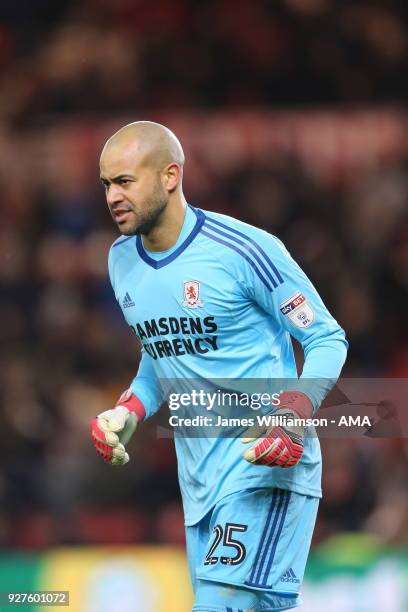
111,430
281,445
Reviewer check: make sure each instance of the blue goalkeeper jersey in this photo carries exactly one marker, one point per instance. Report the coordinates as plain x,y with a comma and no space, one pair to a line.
223,303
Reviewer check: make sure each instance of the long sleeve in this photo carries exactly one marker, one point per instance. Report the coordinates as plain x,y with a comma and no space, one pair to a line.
146,386
294,302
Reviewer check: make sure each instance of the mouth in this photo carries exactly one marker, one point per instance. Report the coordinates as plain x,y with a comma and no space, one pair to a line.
121,215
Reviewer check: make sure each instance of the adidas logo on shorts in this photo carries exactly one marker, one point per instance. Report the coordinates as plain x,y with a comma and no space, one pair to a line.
290,576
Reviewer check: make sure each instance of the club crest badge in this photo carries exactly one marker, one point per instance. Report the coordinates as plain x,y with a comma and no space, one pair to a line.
192,294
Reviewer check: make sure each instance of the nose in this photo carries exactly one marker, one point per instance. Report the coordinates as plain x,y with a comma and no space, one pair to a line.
114,195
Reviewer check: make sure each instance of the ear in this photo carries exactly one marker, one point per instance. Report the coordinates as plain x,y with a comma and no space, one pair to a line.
171,176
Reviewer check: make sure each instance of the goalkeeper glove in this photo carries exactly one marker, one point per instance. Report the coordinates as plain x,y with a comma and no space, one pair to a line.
112,429
281,445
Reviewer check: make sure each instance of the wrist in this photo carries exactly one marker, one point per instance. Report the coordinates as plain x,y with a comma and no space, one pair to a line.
297,402
130,401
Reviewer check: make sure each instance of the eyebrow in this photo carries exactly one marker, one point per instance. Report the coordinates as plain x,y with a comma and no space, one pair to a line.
120,177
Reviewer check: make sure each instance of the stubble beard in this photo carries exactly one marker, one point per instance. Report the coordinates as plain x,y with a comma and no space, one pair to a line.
152,211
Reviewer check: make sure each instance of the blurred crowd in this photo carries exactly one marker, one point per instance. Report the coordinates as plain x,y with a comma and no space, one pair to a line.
99,55
65,352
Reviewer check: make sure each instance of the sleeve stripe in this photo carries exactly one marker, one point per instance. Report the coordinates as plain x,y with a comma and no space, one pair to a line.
246,247
244,255
251,241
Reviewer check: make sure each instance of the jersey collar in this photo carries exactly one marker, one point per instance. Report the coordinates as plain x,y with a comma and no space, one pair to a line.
160,263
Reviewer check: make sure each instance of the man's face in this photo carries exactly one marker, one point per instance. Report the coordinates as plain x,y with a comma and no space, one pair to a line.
134,192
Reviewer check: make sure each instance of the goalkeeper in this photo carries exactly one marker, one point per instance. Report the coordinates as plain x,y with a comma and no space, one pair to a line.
209,296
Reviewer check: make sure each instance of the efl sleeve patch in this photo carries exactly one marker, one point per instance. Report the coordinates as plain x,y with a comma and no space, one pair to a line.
298,310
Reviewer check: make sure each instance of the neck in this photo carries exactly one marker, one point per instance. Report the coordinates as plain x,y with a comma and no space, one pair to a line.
166,232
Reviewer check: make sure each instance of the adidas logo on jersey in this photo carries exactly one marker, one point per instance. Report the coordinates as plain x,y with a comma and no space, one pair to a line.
290,576
127,301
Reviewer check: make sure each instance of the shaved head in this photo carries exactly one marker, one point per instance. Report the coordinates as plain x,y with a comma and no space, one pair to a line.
153,142
141,167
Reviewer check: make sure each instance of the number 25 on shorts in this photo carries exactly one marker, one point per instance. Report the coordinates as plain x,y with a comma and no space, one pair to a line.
226,535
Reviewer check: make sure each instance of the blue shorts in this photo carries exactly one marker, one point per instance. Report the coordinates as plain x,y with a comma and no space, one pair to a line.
258,539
